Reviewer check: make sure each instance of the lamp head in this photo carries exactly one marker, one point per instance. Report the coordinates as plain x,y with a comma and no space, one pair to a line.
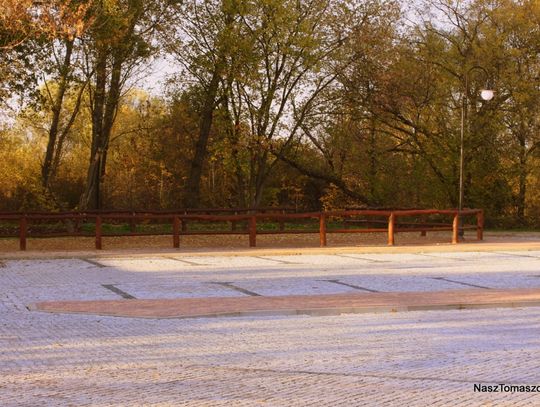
487,94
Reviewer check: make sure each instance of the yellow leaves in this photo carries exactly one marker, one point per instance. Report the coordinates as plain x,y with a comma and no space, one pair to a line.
19,164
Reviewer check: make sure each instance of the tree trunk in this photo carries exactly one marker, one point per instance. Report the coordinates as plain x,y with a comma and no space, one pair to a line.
239,190
53,144
192,192
260,179
373,162
520,204
90,198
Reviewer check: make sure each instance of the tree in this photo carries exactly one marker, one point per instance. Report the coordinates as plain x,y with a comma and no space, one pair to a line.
205,42
118,43
62,116
420,104
293,59
341,115
514,30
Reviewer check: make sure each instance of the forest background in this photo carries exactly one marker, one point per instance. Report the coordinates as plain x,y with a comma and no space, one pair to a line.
312,104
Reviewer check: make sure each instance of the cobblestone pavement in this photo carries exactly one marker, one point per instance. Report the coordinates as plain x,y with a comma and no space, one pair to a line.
405,359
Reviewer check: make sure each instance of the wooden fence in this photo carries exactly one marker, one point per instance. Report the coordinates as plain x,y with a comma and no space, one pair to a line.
383,221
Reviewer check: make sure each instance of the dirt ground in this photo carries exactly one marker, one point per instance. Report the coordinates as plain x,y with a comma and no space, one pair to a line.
310,240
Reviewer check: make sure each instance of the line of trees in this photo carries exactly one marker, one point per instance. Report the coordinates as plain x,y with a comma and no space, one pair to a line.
305,103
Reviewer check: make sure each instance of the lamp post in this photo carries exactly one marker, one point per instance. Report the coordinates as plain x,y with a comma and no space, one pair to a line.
486,94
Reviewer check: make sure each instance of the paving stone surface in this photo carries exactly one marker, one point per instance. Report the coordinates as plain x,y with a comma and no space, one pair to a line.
405,359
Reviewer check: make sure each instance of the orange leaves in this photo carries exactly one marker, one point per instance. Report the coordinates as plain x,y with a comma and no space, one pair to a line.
21,20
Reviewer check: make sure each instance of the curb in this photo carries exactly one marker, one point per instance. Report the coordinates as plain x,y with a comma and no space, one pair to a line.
313,305
485,246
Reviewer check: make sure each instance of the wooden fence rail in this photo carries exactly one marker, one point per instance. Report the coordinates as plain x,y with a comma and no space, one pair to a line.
178,222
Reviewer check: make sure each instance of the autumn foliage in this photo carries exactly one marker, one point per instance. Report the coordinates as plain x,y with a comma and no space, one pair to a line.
311,104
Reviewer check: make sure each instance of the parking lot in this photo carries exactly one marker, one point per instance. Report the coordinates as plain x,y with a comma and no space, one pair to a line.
409,358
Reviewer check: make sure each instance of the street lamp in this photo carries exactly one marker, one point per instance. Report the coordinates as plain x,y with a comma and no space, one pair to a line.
486,94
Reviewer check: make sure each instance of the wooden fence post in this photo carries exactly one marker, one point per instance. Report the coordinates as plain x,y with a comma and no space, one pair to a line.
176,232
455,229
23,228
98,233
322,229
252,231
480,225
391,226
